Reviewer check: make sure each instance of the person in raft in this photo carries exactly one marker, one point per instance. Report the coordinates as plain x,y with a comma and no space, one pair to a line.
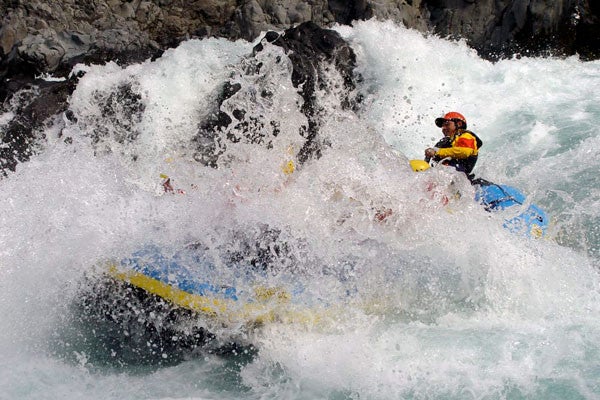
459,147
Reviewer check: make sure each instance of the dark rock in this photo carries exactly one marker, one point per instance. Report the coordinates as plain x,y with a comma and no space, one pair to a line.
308,45
586,41
345,12
536,27
19,138
310,49
41,36
44,34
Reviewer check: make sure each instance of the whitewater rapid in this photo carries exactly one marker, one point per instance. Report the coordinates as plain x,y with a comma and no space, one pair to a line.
459,307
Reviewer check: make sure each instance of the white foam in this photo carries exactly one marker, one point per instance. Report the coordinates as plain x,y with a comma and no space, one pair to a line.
451,304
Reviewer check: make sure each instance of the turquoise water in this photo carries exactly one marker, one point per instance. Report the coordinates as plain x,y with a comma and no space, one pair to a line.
451,305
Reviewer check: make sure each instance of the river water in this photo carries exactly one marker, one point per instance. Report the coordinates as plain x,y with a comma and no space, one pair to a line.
452,305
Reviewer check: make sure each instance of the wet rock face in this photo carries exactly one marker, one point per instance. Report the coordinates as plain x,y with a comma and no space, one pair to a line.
41,35
34,107
49,36
533,27
308,45
311,50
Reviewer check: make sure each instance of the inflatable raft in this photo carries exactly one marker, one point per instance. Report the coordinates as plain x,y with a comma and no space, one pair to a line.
526,218
182,286
530,220
188,279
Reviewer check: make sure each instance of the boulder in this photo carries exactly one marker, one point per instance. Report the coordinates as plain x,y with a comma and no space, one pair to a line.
310,49
37,106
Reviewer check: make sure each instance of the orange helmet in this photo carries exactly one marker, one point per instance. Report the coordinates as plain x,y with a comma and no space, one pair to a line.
451,116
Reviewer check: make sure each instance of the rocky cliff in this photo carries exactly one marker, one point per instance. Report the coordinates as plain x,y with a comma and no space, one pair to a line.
43,35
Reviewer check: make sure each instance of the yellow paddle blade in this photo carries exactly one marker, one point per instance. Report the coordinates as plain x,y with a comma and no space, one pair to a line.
419,165
288,168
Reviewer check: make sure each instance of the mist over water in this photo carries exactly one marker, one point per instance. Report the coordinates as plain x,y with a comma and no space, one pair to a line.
444,302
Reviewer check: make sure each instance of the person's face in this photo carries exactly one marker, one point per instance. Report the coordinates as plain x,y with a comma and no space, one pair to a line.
448,128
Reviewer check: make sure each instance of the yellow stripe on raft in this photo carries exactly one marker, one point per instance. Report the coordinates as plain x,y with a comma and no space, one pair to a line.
264,310
178,297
